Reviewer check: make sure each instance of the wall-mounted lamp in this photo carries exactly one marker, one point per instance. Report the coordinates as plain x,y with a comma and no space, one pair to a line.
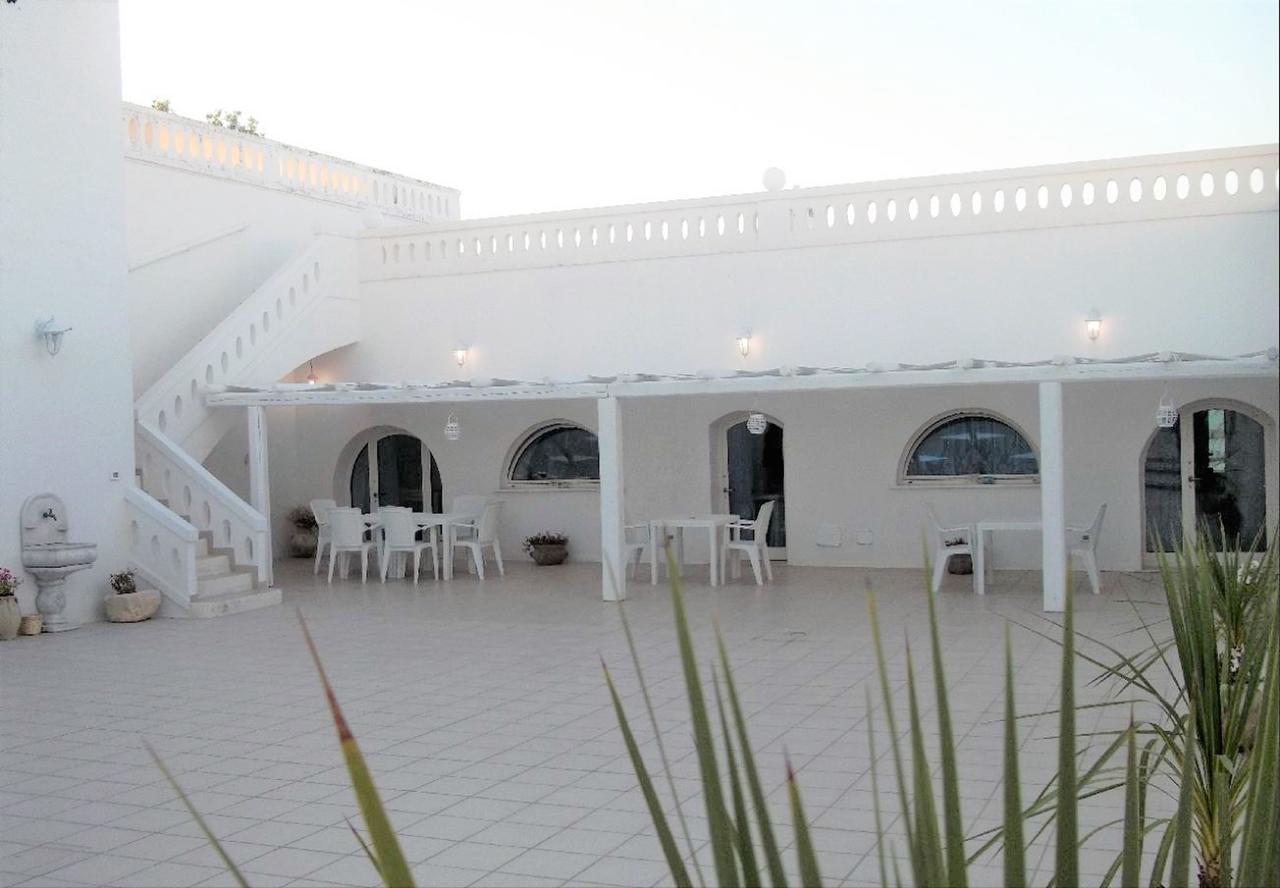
1166,412
460,355
52,334
1093,324
311,373
452,428
757,423
744,344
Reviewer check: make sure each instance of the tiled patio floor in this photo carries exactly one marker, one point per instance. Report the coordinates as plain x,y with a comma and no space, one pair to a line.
483,713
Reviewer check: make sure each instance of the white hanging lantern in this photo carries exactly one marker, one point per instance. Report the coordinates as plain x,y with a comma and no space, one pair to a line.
1166,413
452,428
756,423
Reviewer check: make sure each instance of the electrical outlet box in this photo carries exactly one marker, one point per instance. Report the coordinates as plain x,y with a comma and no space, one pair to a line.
864,538
830,536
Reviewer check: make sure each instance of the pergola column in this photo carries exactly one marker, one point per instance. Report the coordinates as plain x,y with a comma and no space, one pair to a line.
612,508
260,477
1053,505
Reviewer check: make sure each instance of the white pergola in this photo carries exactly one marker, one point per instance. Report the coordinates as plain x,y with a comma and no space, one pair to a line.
609,392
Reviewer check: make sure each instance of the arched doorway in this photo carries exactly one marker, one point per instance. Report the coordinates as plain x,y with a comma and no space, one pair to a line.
749,471
389,469
1209,472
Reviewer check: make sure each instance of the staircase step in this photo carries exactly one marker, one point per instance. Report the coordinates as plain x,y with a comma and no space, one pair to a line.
212,565
223,604
235,582
202,546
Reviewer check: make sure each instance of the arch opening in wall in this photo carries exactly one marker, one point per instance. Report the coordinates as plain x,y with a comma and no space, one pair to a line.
749,470
559,453
388,466
965,447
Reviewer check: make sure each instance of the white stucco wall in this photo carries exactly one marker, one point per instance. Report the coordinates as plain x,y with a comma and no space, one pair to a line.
65,421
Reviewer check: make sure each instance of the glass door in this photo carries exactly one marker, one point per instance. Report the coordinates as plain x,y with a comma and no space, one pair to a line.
751,474
1207,473
395,476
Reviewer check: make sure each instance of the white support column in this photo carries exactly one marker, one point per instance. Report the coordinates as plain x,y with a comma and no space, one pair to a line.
612,510
260,478
1053,506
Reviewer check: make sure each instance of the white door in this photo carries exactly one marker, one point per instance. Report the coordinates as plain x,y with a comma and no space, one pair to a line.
750,472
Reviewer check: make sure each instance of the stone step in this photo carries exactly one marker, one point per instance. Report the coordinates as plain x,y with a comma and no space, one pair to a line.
236,582
224,604
213,565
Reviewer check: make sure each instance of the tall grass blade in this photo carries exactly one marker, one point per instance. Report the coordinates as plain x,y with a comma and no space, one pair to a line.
195,815
1067,863
394,870
1015,852
926,833
1180,864
875,790
805,855
1259,847
721,830
772,857
657,739
364,846
1131,868
953,822
904,800
666,840
746,852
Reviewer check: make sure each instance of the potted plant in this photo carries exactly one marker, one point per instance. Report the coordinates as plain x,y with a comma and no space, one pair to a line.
128,603
547,548
10,618
302,542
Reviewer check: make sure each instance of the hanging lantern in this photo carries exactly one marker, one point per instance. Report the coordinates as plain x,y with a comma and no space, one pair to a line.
1166,413
452,428
756,423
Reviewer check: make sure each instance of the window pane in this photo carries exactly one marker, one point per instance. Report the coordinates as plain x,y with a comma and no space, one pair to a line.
559,454
972,445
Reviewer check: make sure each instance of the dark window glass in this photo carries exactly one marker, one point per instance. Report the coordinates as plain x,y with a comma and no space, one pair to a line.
971,445
560,453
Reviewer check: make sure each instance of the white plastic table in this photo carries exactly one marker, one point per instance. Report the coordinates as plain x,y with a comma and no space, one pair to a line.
446,521
712,524
980,549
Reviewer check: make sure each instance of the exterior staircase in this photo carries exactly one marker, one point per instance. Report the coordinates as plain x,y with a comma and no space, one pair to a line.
193,538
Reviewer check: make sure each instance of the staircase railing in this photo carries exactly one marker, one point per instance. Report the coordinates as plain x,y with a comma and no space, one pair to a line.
162,546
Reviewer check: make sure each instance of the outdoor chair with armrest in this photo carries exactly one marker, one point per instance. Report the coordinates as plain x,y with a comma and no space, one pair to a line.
755,548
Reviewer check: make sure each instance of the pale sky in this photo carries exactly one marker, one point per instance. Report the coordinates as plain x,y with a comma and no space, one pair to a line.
535,105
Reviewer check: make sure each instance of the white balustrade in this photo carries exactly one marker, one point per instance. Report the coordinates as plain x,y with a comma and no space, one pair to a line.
162,546
170,475
161,137
1137,189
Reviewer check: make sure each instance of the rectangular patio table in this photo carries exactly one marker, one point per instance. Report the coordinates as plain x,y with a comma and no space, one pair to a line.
448,523
712,524
980,549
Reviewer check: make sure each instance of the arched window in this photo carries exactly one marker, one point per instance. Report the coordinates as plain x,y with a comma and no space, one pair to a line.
970,447
557,454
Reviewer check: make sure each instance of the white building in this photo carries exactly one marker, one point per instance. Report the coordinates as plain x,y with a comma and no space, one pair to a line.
924,341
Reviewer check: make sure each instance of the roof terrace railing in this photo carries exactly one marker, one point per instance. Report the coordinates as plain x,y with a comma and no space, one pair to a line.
1242,180
161,137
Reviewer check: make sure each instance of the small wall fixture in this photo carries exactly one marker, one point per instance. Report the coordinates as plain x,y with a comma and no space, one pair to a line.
311,373
460,355
744,344
452,428
52,335
1093,324
757,423
1166,413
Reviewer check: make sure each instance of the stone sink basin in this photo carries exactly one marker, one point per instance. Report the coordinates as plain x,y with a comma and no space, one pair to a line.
59,556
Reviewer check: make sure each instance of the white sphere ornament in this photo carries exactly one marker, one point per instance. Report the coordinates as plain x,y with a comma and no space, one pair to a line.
756,423
774,179
452,428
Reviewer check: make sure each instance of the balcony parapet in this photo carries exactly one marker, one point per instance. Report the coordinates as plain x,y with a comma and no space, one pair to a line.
160,137
1202,183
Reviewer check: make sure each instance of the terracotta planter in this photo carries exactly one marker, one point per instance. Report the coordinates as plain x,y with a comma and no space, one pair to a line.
302,542
548,555
10,618
133,607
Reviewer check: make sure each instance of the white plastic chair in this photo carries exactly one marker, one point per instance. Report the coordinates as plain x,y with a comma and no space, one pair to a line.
399,535
346,527
468,504
947,542
1083,542
756,548
320,509
485,534
636,541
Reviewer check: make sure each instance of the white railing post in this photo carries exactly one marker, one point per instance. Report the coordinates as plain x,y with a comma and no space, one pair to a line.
260,488
613,566
1052,498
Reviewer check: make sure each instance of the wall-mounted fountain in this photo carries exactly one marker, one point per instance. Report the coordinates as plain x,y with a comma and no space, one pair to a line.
48,556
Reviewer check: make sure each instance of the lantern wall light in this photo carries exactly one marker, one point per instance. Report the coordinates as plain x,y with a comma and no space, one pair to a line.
452,428
460,355
744,344
1093,324
311,373
52,335
757,423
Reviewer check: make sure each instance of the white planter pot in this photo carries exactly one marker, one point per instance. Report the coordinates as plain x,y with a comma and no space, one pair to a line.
132,607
